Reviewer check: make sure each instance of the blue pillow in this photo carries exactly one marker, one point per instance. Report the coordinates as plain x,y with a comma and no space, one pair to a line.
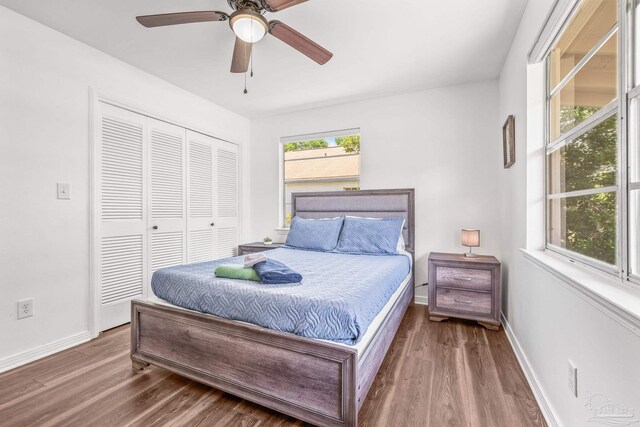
314,234
373,236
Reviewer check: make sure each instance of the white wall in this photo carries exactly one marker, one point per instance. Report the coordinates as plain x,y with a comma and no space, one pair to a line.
443,142
45,80
551,322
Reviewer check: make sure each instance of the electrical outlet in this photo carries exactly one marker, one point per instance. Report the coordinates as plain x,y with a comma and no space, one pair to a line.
25,308
573,379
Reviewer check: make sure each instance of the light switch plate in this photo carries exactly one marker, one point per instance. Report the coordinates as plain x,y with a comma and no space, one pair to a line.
64,191
573,379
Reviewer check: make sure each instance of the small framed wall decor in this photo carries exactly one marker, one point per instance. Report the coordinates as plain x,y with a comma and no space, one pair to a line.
509,141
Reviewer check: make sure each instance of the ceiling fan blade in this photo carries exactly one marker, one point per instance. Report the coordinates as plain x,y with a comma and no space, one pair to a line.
241,56
163,19
299,42
278,5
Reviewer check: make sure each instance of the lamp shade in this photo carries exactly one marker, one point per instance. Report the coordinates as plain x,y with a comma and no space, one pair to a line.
470,238
248,25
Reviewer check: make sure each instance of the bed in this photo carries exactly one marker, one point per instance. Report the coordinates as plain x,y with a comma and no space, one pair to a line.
317,380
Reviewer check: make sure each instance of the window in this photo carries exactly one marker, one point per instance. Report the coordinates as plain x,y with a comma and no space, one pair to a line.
584,192
321,162
593,134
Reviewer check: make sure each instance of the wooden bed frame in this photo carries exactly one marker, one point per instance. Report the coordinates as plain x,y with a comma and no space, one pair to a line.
317,381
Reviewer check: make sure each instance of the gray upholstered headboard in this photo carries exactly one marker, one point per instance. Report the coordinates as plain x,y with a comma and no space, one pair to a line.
366,203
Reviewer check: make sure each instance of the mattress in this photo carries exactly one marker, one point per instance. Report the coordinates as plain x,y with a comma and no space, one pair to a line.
367,337
339,297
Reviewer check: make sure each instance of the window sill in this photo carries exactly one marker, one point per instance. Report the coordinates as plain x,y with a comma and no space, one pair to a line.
609,294
282,231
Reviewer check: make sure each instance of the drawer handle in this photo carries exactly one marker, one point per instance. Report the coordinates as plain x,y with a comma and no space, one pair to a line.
463,301
468,279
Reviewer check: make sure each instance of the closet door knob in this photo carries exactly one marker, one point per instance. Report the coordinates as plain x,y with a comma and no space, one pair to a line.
213,224
155,227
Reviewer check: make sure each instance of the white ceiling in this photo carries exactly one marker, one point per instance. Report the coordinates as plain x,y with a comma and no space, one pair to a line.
380,47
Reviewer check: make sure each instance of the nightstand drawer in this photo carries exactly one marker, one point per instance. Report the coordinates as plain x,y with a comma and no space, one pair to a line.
472,302
465,278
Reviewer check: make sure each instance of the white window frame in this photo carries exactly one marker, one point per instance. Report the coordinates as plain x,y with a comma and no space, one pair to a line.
628,93
298,138
632,145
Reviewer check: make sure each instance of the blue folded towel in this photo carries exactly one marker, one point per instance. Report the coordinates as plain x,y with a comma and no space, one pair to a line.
274,272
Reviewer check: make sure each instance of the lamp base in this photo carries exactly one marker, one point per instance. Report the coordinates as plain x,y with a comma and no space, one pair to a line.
470,255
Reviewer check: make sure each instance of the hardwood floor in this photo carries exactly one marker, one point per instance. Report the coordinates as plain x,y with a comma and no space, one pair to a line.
453,373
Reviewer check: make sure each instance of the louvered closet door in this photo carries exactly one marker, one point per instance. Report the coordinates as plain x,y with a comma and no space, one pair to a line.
227,198
201,235
167,195
120,256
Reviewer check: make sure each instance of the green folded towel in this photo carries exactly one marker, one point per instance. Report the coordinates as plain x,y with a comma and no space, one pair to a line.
236,272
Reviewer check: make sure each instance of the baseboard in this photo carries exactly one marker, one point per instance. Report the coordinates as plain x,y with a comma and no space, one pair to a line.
422,300
28,356
548,413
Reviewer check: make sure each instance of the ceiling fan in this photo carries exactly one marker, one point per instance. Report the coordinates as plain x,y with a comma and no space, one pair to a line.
250,26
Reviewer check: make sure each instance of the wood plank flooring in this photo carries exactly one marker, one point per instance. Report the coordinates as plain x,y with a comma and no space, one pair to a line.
453,373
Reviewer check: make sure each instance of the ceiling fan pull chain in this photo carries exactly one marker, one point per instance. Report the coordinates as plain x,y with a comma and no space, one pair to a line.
251,58
245,71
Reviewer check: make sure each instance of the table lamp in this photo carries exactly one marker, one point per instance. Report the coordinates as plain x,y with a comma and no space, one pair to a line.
471,239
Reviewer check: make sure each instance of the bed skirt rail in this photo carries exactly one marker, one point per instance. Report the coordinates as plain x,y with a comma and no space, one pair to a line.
312,380
370,361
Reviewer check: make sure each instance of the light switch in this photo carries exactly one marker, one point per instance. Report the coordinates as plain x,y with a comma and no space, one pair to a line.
64,191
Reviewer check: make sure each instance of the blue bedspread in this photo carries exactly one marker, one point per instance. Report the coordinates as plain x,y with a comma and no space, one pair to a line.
339,296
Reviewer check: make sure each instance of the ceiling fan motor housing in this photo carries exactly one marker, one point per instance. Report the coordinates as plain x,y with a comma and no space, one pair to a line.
255,5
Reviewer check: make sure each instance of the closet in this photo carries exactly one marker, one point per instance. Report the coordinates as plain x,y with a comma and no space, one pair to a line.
163,196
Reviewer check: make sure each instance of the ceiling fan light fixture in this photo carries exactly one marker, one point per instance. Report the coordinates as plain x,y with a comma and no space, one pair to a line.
248,25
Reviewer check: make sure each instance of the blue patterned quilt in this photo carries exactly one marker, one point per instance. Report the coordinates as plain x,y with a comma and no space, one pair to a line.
339,296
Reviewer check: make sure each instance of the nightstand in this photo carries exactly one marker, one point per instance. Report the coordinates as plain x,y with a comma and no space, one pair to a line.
467,288
249,248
